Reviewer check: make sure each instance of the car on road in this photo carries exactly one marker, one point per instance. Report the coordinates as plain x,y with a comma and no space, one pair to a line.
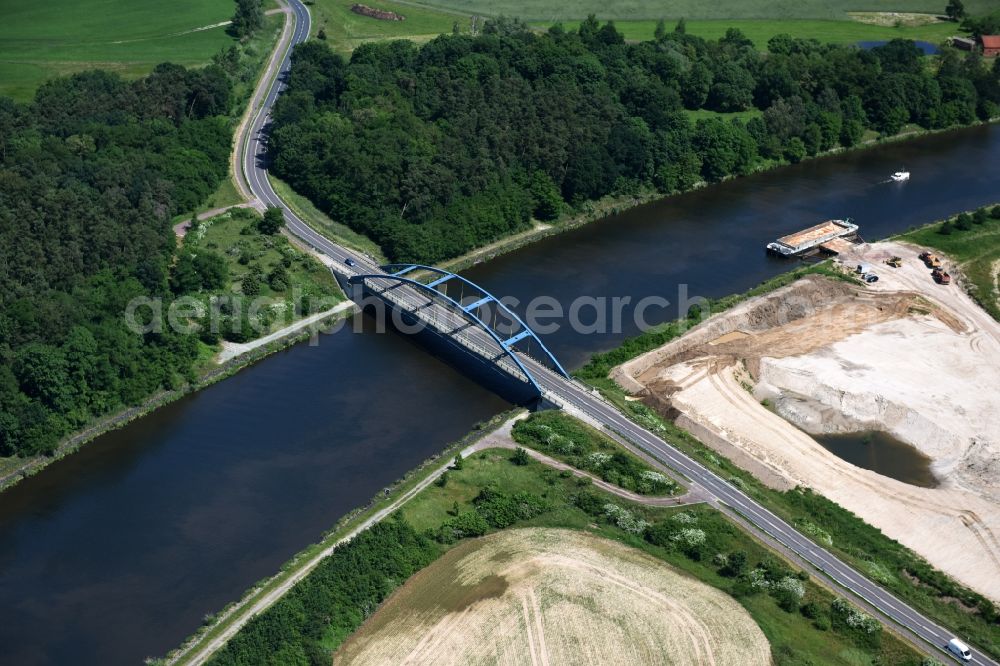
959,649
349,261
869,277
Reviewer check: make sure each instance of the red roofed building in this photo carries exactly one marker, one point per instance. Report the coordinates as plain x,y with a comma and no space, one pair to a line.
991,45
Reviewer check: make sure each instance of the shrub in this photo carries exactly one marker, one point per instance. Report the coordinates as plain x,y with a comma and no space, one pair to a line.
563,437
811,610
271,222
501,510
735,565
850,620
467,524
788,592
623,519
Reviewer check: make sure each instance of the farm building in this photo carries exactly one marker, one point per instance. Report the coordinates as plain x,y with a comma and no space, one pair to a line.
991,45
963,43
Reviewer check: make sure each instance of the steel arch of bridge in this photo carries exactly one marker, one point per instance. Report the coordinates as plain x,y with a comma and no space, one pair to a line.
396,272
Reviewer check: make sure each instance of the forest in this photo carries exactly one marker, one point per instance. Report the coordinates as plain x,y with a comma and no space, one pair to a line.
91,173
433,150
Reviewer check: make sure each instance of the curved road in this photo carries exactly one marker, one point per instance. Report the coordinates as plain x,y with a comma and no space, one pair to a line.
916,627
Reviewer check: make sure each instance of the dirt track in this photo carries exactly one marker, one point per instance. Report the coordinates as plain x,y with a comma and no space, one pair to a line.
549,596
904,355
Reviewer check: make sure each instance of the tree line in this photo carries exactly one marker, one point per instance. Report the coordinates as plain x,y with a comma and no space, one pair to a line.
92,171
332,601
433,150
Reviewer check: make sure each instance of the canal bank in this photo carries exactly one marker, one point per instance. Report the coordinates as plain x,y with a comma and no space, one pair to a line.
179,512
231,360
608,207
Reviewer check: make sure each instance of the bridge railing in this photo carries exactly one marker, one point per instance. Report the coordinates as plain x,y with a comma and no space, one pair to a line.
447,315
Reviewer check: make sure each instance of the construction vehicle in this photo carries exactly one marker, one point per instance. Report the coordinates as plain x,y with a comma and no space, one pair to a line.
941,276
895,262
930,260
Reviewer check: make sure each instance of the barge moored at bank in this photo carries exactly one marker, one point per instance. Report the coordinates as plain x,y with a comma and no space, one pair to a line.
826,236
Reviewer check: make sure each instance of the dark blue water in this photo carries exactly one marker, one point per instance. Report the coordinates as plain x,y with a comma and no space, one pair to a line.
711,242
117,552
927,47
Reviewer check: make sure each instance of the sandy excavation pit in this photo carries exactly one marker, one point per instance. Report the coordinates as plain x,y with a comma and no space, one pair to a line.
906,356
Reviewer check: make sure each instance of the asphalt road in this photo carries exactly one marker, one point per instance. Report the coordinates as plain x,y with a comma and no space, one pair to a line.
568,392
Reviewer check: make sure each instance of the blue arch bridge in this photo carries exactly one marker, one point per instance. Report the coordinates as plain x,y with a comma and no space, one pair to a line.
451,307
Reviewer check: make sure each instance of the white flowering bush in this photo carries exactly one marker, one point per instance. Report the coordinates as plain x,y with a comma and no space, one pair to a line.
816,532
654,477
684,518
739,483
561,444
855,618
758,579
710,457
585,448
880,573
624,519
646,417
791,586
690,537
598,459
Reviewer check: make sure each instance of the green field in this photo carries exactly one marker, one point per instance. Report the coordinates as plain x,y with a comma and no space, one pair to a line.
549,10
827,31
759,20
345,30
41,40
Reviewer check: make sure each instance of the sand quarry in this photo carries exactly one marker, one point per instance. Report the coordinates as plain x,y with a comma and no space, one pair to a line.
550,596
905,355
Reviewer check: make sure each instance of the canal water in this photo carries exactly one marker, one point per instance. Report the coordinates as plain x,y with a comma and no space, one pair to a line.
117,552
882,453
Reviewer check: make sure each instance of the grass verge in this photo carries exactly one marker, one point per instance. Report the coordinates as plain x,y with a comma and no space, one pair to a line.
575,443
318,220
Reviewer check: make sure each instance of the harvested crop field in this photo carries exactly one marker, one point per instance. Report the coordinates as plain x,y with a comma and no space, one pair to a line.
539,596
905,356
